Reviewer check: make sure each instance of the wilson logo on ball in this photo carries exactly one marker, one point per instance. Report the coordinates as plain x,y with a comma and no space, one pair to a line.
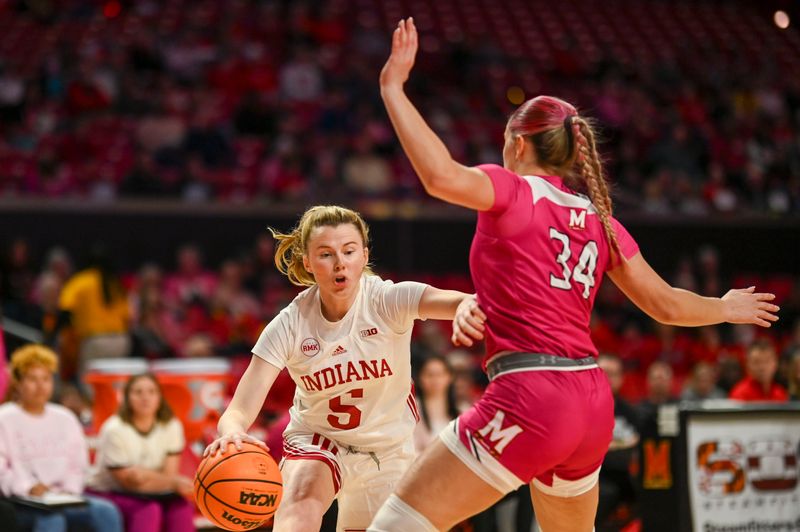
239,521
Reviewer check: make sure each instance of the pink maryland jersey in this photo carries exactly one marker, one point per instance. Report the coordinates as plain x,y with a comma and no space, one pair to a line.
353,376
537,260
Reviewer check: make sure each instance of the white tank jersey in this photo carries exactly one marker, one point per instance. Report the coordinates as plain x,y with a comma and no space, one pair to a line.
353,376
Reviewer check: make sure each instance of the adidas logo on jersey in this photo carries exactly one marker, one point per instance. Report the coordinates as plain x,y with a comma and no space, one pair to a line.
339,351
368,332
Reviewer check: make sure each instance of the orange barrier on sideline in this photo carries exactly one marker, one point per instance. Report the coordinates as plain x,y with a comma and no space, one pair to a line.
194,389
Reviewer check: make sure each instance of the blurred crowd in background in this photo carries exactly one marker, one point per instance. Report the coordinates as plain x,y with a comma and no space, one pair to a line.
260,102
274,100
190,310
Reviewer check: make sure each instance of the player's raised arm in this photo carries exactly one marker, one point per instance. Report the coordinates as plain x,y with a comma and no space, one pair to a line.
675,306
441,176
245,406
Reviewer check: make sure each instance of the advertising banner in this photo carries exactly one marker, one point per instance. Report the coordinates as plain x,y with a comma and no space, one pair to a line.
743,472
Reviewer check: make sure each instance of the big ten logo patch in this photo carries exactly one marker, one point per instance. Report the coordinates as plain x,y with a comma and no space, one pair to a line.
364,333
726,467
310,347
656,464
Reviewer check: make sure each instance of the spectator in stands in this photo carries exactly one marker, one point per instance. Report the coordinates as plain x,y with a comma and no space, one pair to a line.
17,281
94,302
759,384
659,389
729,372
155,332
466,386
137,462
616,484
794,376
47,313
702,384
58,263
435,399
365,172
43,450
191,283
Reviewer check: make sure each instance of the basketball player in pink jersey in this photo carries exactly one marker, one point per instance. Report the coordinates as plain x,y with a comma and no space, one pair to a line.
346,343
545,237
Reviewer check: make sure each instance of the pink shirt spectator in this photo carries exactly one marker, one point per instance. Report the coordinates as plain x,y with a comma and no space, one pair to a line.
49,448
537,258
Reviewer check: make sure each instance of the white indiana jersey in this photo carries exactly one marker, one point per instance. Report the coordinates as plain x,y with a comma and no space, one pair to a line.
353,376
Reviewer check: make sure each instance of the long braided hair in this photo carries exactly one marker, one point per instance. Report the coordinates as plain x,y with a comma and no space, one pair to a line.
564,143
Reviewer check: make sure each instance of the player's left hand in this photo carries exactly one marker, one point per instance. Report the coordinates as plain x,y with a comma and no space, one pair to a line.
745,305
468,322
236,439
404,50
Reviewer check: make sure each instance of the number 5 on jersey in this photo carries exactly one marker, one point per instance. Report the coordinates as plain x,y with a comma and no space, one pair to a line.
583,272
352,415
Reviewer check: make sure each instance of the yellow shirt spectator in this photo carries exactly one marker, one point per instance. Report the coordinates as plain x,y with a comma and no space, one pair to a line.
82,296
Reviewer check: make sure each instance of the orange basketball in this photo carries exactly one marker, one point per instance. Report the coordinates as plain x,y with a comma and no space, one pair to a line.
238,490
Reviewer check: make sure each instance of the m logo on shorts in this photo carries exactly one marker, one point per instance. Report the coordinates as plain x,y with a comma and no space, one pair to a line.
494,432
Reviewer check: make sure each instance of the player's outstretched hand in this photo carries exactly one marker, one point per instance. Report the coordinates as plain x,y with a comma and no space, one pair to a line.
404,50
744,305
236,438
468,322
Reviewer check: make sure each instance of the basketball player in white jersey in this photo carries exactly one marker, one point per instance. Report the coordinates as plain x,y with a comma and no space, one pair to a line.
346,343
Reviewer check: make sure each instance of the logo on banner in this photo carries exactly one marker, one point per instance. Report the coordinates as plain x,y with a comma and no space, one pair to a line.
725,467
743,471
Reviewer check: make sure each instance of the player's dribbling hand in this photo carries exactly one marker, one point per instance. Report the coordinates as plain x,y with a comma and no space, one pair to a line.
744,305
468,322
235,438
404,50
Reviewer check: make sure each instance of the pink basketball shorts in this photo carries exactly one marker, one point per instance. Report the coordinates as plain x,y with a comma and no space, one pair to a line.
548,427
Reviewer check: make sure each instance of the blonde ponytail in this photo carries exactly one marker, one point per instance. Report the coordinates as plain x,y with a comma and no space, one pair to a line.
289,257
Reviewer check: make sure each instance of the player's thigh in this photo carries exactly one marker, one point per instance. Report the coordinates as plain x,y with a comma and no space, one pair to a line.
369,484
358,503
443,489
308,485
565,514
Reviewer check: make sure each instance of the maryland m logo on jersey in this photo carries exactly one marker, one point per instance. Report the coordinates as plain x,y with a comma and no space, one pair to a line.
577,219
